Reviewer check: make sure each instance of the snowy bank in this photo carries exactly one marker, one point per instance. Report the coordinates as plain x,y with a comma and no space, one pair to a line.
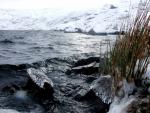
104,20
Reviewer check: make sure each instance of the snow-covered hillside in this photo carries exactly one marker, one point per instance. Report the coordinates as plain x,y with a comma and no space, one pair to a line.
103,20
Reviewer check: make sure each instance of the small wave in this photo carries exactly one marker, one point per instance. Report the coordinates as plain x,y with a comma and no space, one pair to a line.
6,41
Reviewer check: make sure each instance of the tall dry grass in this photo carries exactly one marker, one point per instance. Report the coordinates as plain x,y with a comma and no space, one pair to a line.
130,55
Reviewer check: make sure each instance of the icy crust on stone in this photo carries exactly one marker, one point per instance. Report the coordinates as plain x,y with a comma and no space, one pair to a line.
103,88
39,77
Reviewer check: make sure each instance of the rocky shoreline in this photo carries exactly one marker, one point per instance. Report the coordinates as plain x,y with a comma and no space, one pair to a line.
99,91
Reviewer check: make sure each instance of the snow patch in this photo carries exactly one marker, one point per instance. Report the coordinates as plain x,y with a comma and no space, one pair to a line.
107,19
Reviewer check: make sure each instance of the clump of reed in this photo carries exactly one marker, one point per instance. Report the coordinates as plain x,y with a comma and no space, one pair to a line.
130,54
129,57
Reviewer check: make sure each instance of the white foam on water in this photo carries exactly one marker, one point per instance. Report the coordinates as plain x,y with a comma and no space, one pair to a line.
21,95
121,106
8,111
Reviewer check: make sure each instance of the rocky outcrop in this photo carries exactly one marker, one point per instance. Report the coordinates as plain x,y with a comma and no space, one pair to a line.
39,82
87,69
18,77
92,65
101,88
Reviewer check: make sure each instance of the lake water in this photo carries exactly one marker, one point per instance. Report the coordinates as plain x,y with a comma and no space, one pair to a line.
54,52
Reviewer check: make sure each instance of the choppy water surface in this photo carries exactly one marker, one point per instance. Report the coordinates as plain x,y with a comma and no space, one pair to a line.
54,53
30,46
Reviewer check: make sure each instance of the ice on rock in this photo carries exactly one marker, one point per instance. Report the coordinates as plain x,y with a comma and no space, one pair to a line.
103,88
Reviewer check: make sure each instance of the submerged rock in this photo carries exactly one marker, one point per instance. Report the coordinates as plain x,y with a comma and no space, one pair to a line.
13,77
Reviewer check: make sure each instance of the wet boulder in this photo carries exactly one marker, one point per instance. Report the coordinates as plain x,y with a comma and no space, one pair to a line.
91,65
101,88
86,69
86,61
99,94
39,84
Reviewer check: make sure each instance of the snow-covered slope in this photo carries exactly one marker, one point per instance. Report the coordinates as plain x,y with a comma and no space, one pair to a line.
106,19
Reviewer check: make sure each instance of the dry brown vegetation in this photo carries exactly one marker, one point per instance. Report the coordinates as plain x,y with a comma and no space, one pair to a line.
129,57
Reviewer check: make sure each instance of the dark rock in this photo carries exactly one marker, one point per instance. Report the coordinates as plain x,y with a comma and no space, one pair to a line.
14,67
86,61
40,84
15,78
96,104
82,94
90,79
6,41
78,30
92,32
87,69
116,33
101,88
146,82
139,106
12,76
112,7
92,65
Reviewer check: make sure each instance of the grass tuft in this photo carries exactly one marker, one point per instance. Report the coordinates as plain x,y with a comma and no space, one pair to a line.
130,55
